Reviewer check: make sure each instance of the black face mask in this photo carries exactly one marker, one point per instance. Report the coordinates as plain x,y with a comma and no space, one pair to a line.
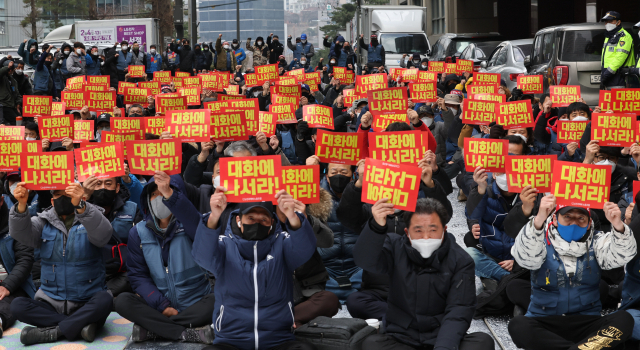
63,205
255,232
133,115
197,50
48,63
339,182
103,197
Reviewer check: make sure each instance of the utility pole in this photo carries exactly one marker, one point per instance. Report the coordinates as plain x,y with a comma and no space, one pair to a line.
178,16
238,21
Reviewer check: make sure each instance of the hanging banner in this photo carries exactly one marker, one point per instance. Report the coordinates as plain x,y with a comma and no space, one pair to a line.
476,112
564,95
318,116
581,185
191,125
302,182
617,129
401,147
388,101
8,133
47,170
489,154
147,157
10,152
229,126
534,171
340,147
82,130
569,131
515,115
399,183
530,84
55,128
251,179
102,161
100,101
73,99
36,105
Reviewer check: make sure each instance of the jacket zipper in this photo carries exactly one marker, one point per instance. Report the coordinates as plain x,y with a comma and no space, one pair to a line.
255,287
293,319
174,301
218,324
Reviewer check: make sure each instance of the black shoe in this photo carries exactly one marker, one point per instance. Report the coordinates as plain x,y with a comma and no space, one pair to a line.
32,335
490,285
139,334
0,332
88,333
202,335
518,311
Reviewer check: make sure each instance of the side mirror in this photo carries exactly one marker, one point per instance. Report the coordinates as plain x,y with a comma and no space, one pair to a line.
483,64
527,60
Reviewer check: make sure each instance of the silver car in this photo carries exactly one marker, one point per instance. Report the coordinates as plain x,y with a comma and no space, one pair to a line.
507,59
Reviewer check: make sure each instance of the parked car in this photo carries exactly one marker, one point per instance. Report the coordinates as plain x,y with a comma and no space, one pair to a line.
450,44
478,52
571,54
508,60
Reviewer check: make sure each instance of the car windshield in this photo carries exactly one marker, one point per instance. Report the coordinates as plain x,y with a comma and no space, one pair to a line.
404,43
582,45
526,49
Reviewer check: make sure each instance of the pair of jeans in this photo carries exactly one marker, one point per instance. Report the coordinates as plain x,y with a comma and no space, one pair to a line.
485,266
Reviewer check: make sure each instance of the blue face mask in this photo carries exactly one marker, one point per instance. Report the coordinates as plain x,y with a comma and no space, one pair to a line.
571,232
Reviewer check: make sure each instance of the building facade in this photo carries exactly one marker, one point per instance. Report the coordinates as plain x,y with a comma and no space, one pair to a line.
257,18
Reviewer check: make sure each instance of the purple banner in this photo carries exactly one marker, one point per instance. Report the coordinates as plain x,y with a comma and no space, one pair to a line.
133,33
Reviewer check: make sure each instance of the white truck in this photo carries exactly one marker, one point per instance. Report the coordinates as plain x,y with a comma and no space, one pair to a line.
105,33
400,29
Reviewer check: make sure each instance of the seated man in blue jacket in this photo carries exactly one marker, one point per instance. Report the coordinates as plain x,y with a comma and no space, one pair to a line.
253,255
172,297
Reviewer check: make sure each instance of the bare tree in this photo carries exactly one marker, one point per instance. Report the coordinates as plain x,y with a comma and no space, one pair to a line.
93,10
31,18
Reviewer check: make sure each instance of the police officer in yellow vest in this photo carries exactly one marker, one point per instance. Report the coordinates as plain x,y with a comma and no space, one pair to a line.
617,52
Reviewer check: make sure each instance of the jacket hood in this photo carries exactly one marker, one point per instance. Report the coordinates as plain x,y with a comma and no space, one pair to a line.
31,42
65,45
260,39
245,247
424,60
176,183
340,38
321,210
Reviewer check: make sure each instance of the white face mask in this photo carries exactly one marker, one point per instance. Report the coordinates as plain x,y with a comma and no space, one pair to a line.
216,181
416,62
19,71
501,181
160,210
303,41
580,119
610,26
427,121
259,43
426,247
303,62
608,162
152,51
66,52
333,62
30,138
79,51
226,47
424,66
257,93
454,110
124,47
206,49
102,63
13,187
522,137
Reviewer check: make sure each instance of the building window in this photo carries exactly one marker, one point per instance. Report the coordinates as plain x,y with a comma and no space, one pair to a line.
2,27
2,4
437,16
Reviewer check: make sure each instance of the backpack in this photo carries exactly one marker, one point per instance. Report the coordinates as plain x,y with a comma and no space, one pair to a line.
496,302
288,147
334,333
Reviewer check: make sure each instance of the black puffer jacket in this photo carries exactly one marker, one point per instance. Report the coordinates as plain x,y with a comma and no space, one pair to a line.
429,299
23,256
187,57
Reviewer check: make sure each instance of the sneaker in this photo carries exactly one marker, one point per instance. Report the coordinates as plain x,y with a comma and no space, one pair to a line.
202,335
139,334
461,196
88,333
32,335
518,311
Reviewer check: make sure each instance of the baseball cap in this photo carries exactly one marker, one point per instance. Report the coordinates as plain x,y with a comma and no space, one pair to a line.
305,87
451,99
563,209
13,173
303,36
425,109
165,87
245,208
104,117
456,92
374,36
610,16
235,41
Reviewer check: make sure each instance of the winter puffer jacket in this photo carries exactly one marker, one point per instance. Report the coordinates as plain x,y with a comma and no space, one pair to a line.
260,53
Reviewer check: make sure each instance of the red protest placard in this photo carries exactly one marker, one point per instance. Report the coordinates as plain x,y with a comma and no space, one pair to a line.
58,108
122,85
340,147
100,101
251,80
251,179
10,152
229,126
530,84
55,128
99,80
515,115
163,77
110,136
250,106
625,100
427,77
191,125
581,185
147,157
216,106
396,73
399,183
636,189
436,66
285,114
76,83
316,77
127,125
381,122
451,68
476,112
302,182
267,123
282,80
232,89
177,82
222,97
102,161
402,147
388,101
564,95
318,116
154,125
569,131
285,99
296,73
604,101
170,102
47,170
364,83
266,73
340,73
489,154
289,90
192,93
11,133
136,95
617,129
473,90
481,78
94,87
463,66
153,86
73,99
349,96
82,130
136,71
191,81
182,74
410,75
500,98
534,171
36,105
